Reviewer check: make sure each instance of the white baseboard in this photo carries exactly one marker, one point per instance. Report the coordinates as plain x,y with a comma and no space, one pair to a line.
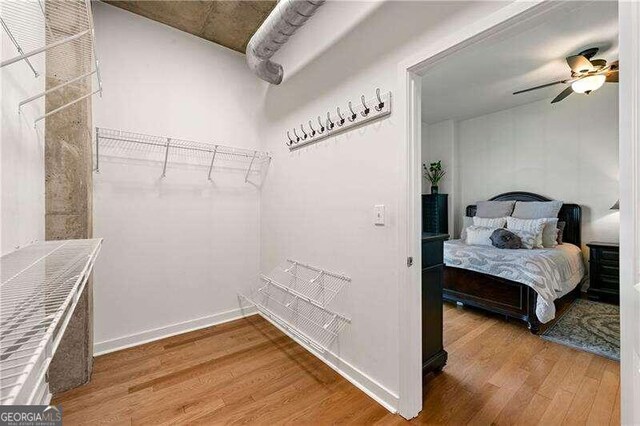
366,384
107,346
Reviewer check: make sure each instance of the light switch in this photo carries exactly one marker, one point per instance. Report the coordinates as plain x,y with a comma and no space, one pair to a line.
378,215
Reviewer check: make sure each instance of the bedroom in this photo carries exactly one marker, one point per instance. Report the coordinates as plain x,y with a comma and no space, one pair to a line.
481,141
186,238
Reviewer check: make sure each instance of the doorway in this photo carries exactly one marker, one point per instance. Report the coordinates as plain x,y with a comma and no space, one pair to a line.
412,71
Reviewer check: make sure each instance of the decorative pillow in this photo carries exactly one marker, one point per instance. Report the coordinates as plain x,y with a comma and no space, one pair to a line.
491,209
561,226
494,222
467,221
505,239
550,233
479,235
536,209
534,226
528,239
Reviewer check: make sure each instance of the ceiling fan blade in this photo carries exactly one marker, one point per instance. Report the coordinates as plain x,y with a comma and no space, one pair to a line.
566,92
540,87
579,64
612,77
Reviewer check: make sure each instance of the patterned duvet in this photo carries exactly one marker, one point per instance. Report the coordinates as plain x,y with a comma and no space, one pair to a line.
552,273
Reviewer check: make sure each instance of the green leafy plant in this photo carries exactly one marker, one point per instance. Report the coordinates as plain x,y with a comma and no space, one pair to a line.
433,173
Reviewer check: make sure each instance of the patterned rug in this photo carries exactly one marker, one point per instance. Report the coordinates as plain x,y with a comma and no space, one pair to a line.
589,326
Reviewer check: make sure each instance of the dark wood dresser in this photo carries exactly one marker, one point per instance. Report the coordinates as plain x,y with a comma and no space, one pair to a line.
604,272
434,357
435,216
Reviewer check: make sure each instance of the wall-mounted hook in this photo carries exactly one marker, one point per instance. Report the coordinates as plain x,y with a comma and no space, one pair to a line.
380,105
303,132
353,115
290,140
366,108
313,131
340,121
296,135
321,129
329,122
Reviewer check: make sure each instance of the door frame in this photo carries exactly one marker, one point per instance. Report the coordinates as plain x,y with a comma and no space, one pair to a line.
409,205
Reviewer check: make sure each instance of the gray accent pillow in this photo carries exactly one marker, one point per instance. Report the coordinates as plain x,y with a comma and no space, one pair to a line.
536,209
505,239
491,209
550,233
561,226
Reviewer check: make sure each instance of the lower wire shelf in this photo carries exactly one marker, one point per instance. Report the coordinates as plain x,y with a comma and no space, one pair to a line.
299,315
39,288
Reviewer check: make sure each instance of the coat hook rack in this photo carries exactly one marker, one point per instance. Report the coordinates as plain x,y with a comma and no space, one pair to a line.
369,110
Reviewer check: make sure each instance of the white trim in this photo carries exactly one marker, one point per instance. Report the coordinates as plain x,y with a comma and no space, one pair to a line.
409,284
629,107
356,377
136,339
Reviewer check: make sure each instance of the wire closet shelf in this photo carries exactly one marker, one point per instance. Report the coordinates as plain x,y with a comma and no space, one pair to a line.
296,298
41,285
57,35
164,150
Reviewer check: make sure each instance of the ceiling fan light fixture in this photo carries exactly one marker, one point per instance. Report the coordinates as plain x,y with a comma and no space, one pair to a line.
588,84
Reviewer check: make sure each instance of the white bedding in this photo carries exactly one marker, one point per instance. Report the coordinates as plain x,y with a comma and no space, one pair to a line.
551,272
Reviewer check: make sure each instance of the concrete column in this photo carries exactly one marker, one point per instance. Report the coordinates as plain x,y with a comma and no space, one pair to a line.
68,192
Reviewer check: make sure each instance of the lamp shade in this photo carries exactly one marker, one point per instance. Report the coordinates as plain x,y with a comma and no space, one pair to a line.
616,206
588,84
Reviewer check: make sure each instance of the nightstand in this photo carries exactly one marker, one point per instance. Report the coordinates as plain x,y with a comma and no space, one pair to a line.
604,272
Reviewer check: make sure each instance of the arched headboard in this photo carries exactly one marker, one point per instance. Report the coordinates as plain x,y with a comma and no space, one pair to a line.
571,214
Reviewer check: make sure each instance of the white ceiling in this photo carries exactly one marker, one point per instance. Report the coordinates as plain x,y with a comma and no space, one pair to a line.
481,79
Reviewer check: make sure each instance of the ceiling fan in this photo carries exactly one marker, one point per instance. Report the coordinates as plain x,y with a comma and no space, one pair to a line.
587,75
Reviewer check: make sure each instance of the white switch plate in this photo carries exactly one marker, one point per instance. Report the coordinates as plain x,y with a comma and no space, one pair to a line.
378,215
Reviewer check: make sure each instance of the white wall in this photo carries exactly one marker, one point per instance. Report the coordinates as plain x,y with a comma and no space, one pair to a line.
21,151
317,203
438,142
177,249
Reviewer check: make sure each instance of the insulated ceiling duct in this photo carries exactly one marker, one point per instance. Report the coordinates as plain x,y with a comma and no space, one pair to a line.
282,23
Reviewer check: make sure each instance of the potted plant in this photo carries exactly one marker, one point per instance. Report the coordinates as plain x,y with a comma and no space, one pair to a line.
433,174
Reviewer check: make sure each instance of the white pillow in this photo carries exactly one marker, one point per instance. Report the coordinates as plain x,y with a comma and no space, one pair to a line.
550,233
535,226
494,222
479,235
528,239
467,221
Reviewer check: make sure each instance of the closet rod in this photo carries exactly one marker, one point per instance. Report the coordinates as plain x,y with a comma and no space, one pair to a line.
53,89
88,95
17,45
43,48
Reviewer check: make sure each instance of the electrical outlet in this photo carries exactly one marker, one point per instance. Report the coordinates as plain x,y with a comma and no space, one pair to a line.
378,215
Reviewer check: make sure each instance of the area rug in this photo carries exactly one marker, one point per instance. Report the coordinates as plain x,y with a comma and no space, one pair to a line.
589,326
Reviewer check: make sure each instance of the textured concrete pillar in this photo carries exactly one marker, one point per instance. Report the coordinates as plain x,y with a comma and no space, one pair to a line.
68,192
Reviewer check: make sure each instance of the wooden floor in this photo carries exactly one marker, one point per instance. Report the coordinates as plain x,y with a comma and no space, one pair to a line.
247,371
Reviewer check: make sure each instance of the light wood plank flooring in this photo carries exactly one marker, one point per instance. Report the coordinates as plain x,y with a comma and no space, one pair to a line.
247,371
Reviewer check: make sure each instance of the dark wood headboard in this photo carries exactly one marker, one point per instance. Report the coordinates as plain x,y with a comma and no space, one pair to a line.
569,213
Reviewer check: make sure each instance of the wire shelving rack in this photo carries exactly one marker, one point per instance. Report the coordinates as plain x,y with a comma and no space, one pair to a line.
40,287
297,298
165,150
62,31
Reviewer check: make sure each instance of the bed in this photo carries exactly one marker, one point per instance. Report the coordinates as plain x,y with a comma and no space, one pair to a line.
534,286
